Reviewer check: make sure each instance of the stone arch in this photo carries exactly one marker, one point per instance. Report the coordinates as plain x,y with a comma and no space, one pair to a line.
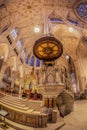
19,75
3,58
11,62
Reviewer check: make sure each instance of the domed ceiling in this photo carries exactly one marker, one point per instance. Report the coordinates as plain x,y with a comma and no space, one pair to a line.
62,18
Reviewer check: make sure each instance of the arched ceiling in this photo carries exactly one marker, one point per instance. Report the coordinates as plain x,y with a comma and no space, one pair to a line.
70,40
28,14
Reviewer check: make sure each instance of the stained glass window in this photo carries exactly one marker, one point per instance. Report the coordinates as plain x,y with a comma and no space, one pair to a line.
75,22
24,52
14,33
37,63
82,10
19,44
27,59
32,61
56,20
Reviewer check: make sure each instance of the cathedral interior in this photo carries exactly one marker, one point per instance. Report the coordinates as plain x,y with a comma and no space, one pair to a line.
43,63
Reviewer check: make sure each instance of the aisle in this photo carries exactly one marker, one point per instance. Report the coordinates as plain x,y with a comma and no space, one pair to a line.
77,120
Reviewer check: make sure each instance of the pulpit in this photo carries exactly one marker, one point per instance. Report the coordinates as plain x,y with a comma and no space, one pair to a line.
48,49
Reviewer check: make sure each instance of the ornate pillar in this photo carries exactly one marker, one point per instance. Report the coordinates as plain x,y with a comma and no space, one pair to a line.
63,78
49,102
44,77
12,80
78,76
21,87
58,79
2,71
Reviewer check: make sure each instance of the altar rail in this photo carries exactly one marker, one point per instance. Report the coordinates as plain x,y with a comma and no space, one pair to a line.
20,113
32,118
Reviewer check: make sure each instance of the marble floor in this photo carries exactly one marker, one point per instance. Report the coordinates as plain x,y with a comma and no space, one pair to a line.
77,120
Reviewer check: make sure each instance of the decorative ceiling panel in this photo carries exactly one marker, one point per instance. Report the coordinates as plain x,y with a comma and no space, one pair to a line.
28,14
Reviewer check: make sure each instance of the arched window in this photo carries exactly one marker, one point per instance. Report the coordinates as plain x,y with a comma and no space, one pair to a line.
82,10
24,52
14,33
19,44
27,59
32,61
37,63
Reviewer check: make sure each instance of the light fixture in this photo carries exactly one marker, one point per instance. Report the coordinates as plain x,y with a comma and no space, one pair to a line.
36,29
70,29
67,56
